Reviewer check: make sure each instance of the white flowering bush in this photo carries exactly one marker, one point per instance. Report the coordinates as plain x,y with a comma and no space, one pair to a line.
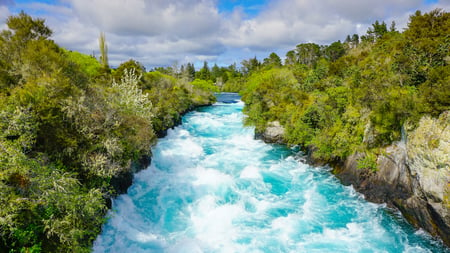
130,98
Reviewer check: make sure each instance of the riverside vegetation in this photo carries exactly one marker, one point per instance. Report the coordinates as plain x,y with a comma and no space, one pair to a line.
70,126
348,103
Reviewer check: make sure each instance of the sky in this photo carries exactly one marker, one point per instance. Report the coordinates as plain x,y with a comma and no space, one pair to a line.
175,32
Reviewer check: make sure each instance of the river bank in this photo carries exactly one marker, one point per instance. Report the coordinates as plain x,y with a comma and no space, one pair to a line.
412,175
211,187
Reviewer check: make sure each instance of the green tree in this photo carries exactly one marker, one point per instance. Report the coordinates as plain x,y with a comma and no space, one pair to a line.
103,51
392,28
206,85
428,34
291,58
88,64
190,69
204,73
24,28
139,69
352,41
308,53
22,31
334,51
216,73
250,65
355,40
376,31
272,61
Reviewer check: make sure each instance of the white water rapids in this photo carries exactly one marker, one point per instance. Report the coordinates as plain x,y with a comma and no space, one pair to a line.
212,188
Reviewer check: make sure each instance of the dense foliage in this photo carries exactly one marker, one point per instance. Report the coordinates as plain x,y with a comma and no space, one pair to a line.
356,96
68,125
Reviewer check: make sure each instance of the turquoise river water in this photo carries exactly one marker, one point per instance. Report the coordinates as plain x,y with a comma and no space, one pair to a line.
212,188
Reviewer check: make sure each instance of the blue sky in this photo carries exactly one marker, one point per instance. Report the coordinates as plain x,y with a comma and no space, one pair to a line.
174,32
250,7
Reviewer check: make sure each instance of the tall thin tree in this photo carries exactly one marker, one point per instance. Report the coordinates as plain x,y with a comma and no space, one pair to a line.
103,50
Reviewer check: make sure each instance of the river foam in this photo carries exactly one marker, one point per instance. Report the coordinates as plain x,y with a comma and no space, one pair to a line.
212,188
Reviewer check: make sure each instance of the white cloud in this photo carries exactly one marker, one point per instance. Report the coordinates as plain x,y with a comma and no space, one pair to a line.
157,50
161,32
4,13
154,32
181,18
287,22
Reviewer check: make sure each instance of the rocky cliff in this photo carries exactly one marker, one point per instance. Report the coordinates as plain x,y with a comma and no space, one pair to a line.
412,175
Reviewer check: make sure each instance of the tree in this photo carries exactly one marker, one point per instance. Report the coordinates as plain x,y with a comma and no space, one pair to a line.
87,63
428,45
429,36
204,73
291,58
103,51
129,65
435,92
272,61
348,39
250,65
354,41
308,53
334,51
205,85
190,70
24,28
377,30
392,28
216,73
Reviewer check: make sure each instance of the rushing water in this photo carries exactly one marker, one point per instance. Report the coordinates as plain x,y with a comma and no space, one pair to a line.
212,188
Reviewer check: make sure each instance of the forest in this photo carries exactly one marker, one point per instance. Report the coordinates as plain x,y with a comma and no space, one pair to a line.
70,124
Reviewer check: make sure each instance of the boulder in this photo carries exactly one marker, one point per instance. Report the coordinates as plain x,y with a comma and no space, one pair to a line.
274,133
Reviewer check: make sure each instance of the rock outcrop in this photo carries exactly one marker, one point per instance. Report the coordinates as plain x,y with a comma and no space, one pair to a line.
413,176
428,157
273,133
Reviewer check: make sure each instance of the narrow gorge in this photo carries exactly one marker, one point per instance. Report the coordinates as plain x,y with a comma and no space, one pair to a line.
211,187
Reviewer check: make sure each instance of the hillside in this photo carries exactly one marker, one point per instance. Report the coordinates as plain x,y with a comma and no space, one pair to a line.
72,131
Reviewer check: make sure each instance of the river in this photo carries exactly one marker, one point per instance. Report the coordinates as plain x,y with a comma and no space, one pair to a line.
212,188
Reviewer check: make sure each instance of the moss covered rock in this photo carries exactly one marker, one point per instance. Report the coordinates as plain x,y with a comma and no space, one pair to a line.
428,157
